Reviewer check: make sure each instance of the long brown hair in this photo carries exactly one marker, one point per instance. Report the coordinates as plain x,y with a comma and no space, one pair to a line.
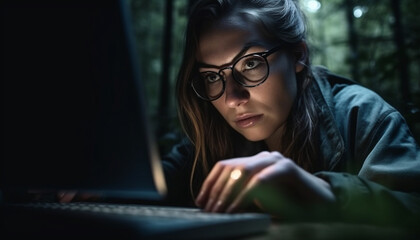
212,137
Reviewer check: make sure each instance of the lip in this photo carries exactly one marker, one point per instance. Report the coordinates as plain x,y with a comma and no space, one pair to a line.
247,120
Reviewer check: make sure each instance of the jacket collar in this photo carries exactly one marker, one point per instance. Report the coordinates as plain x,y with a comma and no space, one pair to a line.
331,142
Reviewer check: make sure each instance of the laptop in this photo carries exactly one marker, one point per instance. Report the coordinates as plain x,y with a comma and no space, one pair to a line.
75,119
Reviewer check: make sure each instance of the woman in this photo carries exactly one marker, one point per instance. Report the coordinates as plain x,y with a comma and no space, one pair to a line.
268,132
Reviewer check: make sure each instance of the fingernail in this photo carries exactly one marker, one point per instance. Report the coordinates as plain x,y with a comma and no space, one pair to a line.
218,206
209,205
231,208
198,199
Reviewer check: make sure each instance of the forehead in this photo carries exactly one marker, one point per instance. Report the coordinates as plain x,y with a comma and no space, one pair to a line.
220,42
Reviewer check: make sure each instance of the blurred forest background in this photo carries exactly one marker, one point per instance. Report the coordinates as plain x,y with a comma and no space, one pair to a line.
375,42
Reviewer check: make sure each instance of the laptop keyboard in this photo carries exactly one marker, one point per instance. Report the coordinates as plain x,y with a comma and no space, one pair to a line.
134,210
133,221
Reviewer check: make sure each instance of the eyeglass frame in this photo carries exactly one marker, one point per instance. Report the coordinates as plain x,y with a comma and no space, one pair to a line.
264,55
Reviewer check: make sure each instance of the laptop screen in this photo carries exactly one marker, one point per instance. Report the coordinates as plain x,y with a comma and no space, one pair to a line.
74,115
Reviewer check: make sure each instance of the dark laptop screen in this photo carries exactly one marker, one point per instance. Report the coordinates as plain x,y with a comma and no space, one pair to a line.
72,106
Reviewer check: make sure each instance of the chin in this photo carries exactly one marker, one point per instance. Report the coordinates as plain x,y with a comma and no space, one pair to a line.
253,137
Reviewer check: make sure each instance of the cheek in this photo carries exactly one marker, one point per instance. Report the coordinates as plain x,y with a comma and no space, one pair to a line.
280,93
282,85
280,100
220,106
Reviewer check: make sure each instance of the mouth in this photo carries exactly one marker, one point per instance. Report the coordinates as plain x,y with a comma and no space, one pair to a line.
247,120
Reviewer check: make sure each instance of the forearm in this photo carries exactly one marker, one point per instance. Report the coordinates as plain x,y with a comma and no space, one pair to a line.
361,200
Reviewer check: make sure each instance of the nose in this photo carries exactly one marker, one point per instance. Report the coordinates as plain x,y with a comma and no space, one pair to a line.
235,93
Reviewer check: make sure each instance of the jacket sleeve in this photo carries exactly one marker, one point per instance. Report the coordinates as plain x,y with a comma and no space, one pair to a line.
177,165
379,178
364,201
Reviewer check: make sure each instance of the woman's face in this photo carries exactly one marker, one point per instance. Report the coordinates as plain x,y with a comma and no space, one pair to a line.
258,113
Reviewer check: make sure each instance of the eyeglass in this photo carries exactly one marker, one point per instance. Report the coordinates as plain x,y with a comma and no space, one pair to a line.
249,71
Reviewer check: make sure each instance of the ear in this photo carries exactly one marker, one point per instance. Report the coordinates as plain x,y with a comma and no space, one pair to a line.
301,54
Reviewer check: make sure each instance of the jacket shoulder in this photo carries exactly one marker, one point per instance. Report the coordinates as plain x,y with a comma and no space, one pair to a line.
322,73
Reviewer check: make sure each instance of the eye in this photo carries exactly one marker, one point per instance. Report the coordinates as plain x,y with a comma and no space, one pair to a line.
251,63
210,77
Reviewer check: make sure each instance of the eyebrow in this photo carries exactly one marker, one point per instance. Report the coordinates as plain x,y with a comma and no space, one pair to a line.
240,54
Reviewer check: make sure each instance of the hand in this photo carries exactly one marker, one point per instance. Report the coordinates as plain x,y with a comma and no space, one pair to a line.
65,197
274,183
61,196
72,196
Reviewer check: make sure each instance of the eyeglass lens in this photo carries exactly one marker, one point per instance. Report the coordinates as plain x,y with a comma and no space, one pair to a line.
249,71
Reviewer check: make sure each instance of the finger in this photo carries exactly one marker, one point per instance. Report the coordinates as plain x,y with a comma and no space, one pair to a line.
272,188
208,182
255,187
65,197
244,197
259,161
217,188
235,182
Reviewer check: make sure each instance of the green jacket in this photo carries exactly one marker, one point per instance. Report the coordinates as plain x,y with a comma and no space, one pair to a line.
370,157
